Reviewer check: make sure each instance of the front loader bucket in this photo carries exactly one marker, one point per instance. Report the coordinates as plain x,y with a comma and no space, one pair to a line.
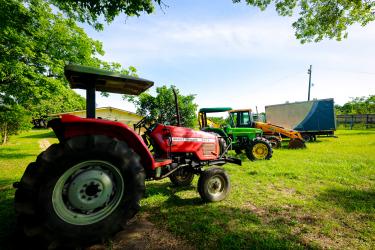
296,143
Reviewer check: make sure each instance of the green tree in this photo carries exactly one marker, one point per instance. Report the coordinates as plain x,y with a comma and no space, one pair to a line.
36,43
358,105
92,10
13,118
161,108
317,19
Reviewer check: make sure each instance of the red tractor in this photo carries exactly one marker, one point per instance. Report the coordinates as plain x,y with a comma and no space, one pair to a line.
83,188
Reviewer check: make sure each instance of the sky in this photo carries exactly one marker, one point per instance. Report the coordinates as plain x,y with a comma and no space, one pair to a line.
236,55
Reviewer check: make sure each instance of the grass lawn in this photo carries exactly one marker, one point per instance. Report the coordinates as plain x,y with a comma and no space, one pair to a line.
319,197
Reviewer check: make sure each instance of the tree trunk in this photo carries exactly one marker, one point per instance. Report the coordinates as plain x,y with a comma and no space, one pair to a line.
5,133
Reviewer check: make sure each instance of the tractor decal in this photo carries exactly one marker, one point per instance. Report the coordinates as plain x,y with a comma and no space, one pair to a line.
192,139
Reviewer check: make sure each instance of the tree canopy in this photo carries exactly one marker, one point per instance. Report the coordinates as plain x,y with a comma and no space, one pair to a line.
358,105
36,43
161,108
316,19
319,19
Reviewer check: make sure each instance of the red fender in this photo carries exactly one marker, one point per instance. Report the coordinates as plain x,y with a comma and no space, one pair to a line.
69,126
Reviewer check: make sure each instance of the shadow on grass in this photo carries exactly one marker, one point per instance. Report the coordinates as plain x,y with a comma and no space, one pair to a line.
204,225
285,145
219,225
241,156
169,190
7,215
317,141
352,200
4,155
47,134
9,153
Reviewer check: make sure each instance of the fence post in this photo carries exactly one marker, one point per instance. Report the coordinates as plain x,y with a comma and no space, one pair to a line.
351,122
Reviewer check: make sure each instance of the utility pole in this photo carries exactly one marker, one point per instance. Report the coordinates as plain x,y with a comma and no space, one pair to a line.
309,72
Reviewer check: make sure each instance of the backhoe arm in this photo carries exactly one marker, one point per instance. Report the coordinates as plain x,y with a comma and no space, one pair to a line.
273,129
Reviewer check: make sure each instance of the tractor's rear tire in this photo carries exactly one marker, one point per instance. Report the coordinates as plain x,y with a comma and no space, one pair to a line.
80,191
213,185
259,149
182,177
274,141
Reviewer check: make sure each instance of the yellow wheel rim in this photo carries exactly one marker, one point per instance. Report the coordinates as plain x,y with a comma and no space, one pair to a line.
260,151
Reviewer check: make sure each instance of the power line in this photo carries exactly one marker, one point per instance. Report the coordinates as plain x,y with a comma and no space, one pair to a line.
348,71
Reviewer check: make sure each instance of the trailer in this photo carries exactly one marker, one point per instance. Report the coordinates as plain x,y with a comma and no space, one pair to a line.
310,118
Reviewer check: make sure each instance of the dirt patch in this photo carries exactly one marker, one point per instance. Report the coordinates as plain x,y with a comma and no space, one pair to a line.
140,233
254,209
44,144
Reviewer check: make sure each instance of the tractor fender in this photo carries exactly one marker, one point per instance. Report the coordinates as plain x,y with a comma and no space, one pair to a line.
69,126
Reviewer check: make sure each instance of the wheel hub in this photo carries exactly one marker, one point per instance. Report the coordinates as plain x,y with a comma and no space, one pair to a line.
215,186
260,151
90,190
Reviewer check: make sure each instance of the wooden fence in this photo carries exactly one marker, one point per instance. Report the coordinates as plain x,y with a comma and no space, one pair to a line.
356,121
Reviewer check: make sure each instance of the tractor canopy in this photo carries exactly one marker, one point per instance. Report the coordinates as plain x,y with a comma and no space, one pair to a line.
240,110
84,77
94,79
214,110
202,115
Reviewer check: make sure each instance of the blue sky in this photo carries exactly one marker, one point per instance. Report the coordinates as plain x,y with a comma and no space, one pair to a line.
235,55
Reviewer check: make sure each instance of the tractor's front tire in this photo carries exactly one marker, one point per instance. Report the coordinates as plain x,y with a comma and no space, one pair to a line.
213,185
182,177
259,149
80,191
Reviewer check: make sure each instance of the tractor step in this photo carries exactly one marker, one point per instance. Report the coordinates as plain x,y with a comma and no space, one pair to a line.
159,162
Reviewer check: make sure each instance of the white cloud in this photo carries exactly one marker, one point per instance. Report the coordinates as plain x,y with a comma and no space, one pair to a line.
265,38
168,41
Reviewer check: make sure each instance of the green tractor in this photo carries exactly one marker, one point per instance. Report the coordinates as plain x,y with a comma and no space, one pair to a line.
237,134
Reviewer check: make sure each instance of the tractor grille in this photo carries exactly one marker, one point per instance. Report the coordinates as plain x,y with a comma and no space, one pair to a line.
208,148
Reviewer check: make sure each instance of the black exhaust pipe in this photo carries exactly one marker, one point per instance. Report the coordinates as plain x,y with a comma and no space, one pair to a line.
177,109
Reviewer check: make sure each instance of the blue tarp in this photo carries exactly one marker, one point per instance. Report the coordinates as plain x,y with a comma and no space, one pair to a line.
321,117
